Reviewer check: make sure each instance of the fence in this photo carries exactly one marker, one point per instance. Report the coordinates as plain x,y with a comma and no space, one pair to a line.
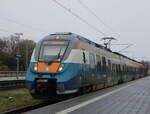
12,84
12,73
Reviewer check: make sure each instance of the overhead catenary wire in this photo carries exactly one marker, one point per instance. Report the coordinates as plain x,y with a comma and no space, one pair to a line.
20,24
120,44
97,17
129,45
10,32
80,18
23,25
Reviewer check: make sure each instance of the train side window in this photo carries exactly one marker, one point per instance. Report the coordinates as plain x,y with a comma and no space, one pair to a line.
92,59
116,68
84,58
123,68
113,67
127,69
98,58
119,68
109,64
104,63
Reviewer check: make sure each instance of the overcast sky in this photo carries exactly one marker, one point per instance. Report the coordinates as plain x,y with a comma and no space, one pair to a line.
36,18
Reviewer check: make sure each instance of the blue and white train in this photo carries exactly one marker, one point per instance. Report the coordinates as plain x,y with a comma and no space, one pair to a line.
65,63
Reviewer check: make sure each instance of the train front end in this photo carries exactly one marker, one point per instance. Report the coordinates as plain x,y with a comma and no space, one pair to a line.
50,72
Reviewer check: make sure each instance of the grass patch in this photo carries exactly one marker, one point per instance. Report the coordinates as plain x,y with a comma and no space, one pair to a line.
10,99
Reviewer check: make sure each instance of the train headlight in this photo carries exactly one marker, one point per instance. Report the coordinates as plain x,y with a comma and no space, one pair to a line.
35,67
61,67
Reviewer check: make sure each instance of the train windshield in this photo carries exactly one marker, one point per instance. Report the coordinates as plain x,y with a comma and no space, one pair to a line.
52,50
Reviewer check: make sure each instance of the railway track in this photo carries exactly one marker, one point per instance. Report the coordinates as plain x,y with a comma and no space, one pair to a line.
27,108
12,84
52,100
43,103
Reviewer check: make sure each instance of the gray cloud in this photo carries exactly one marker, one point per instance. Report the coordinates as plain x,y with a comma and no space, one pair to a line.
37,18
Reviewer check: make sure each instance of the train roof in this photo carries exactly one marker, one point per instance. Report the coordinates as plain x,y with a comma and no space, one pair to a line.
83,39
126,57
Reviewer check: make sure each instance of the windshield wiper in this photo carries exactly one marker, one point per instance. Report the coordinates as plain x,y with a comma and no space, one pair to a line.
58,55
54,58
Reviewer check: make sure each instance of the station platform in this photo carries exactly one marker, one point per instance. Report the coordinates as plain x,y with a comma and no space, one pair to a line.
128,98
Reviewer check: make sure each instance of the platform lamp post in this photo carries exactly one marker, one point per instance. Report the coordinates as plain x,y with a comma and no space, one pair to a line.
18,56
27,53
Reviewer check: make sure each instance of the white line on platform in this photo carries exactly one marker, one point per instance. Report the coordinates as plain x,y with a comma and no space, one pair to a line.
91,101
